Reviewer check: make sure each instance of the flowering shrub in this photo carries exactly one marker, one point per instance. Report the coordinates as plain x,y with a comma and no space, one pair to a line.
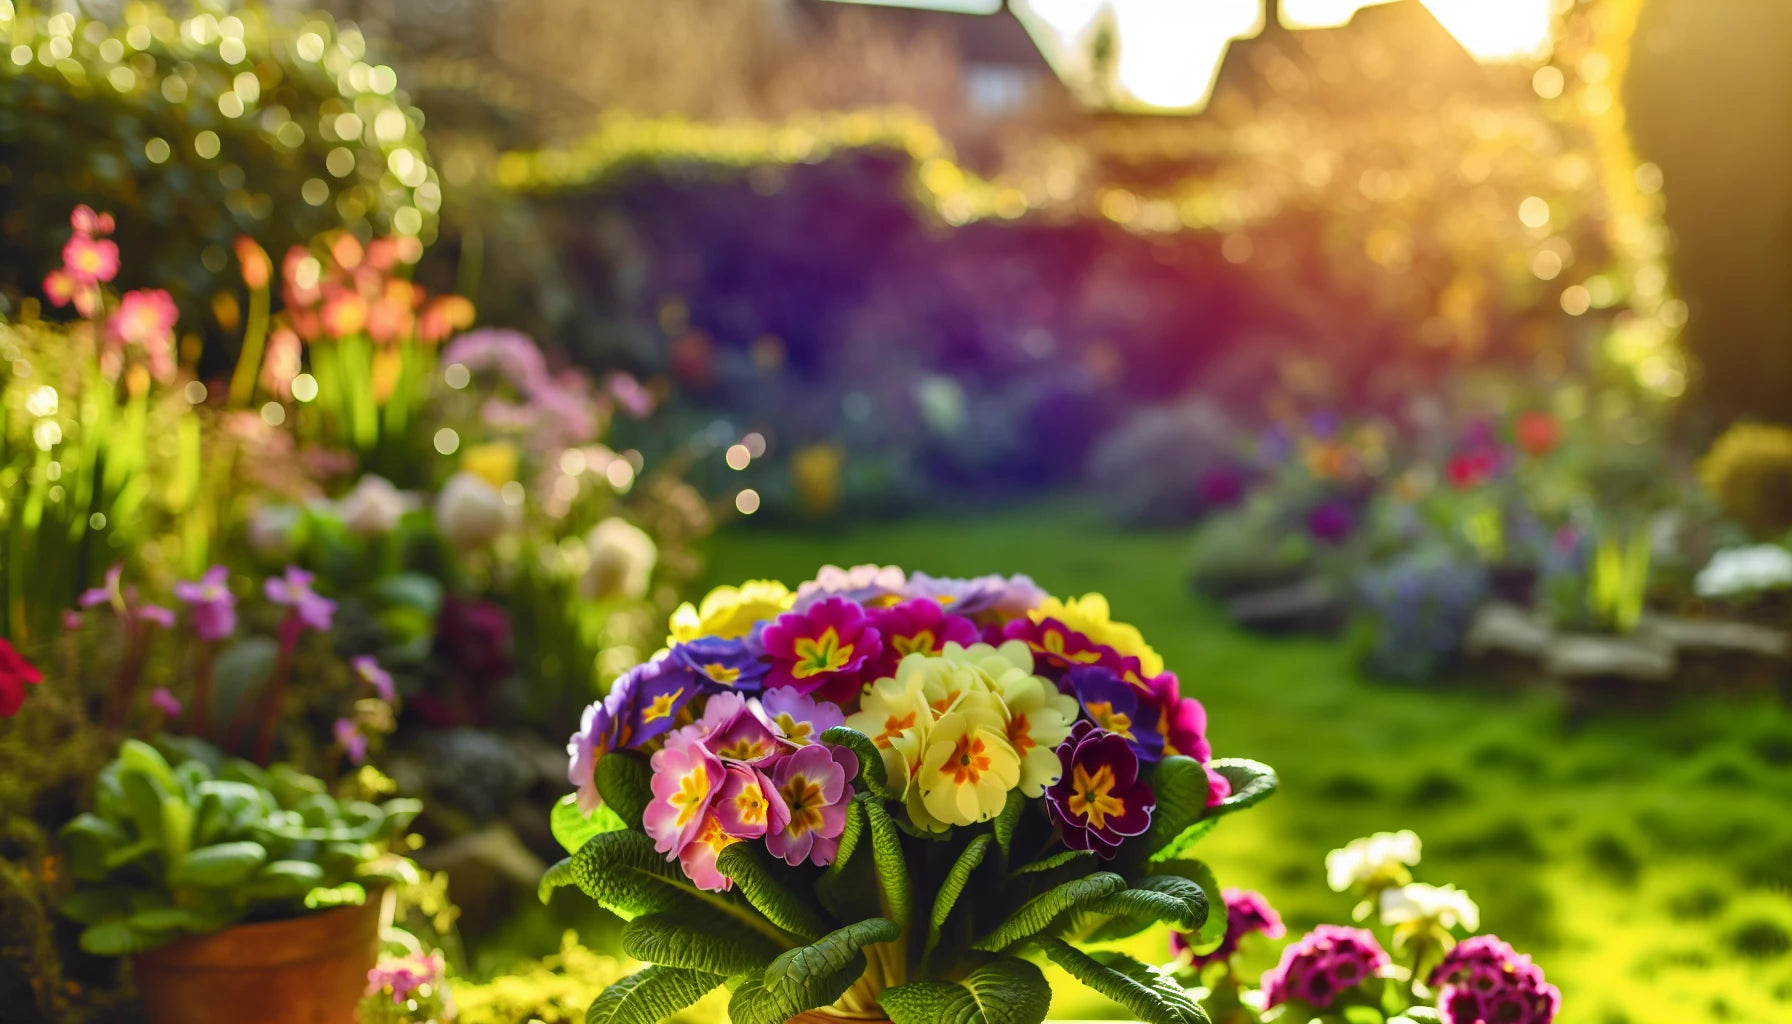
1023,765
1340,972
1749,471
1416,610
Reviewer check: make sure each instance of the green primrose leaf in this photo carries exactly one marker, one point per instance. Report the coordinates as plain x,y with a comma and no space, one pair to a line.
1167,898
650,995
953,885
1008,820
809,976
892,867
218,867
88,838
1252,782
1038,914
871,761
1181,818
625,781
849,836
1213,927
1004,991
1152,997
711,946
763,887
628,877
572,827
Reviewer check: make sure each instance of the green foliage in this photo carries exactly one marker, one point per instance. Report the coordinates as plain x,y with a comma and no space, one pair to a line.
572,827
1153,997
809,976
1004,991
196,129
1039,913
625,782
628,877
892,867
179,848
758,881
1167,898
953,885
871,763
649,995
711,946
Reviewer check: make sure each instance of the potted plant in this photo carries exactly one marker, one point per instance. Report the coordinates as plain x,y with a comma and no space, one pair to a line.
885,797
232,886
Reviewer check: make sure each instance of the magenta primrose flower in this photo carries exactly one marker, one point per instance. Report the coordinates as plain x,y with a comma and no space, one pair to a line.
165,700
749,806
349,737
212,604
404,976
1099,801
917,626
821,650
90,260
293,590
1247,913
1057,649
1323,965
735,729
812,784
374,676
686,780
1482,980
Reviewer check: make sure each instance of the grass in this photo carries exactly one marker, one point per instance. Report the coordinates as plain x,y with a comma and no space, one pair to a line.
1644,860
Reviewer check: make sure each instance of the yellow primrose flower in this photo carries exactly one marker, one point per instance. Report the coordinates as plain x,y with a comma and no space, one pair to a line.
1088,615
730,612
892,710
907,749
495,463
1039,718
967,767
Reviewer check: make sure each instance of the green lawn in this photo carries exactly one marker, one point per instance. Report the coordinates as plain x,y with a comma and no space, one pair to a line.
1646,861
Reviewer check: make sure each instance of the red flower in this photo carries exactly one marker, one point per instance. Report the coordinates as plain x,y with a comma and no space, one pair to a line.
1537,433
1472,469
15,674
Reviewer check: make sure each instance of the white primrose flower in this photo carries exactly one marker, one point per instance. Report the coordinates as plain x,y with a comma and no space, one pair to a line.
1417,904
1382,857
1745,570
374,507
621,560
471,513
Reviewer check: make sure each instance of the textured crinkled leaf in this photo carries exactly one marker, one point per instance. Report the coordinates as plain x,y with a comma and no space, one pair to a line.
1180,785
754,879
817,974
892,868
849,836
872,778
1004,991
1056,860
1213,928
1008,820
1169,899
712,946
218,867
749,1003
1418,1015
1251,781
572,827
650,995
1037,914
1152,997
559,875
628,877
953,885
625,781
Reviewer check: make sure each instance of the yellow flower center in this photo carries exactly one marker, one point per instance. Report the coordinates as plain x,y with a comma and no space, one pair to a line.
824,653
1093,798
894,726
751,805
661,706
968,762
797,732
920,643
722,674
1117,722
1019,736
745,750
804,799
944,704
693,790
713,837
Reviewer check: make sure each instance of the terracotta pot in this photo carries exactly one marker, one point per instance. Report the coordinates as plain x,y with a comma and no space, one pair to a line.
305,970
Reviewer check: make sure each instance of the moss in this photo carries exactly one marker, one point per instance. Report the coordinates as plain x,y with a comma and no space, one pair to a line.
1700,903
1436,789
1613,858
557,989
1761,939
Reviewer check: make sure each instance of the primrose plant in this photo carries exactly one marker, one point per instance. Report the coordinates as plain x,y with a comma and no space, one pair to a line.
894,795
198,844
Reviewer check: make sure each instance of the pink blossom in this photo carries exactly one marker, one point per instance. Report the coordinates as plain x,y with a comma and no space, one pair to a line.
350,739
90,260
164,698
812,784
213,605
293,590
686,779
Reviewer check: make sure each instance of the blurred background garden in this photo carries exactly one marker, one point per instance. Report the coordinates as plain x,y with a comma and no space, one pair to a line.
1413,372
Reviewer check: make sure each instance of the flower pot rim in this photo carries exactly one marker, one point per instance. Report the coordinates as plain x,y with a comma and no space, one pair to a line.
258,944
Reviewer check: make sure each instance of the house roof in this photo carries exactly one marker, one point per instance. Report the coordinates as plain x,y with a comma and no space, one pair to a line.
997,37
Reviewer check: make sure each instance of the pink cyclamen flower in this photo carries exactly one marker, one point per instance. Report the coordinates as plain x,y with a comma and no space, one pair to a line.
686,779
61,288
405,976
212,603
349,737
800,718
370,672
1247,913
1324,964
293,590
1482,980
821,650
812,783
165,699
90,260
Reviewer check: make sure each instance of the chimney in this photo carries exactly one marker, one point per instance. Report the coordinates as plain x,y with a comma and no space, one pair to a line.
1272,15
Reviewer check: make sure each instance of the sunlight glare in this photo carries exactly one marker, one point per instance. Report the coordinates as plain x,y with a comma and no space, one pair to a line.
1490,30
1170,54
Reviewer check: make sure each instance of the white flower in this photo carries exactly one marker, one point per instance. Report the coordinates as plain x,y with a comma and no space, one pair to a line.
470,512
373,507
1446,906
622,557
1381,856
1745,570
273,530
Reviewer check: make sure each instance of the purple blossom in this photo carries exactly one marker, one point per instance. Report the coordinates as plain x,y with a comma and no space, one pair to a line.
1326,963
1331,522
1247,912
373,675
1482,979
1116,706
723,665
213,605
350,739
1099,801
1005,597
595,738
293,590
861,584
799,718
156,615
165,699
